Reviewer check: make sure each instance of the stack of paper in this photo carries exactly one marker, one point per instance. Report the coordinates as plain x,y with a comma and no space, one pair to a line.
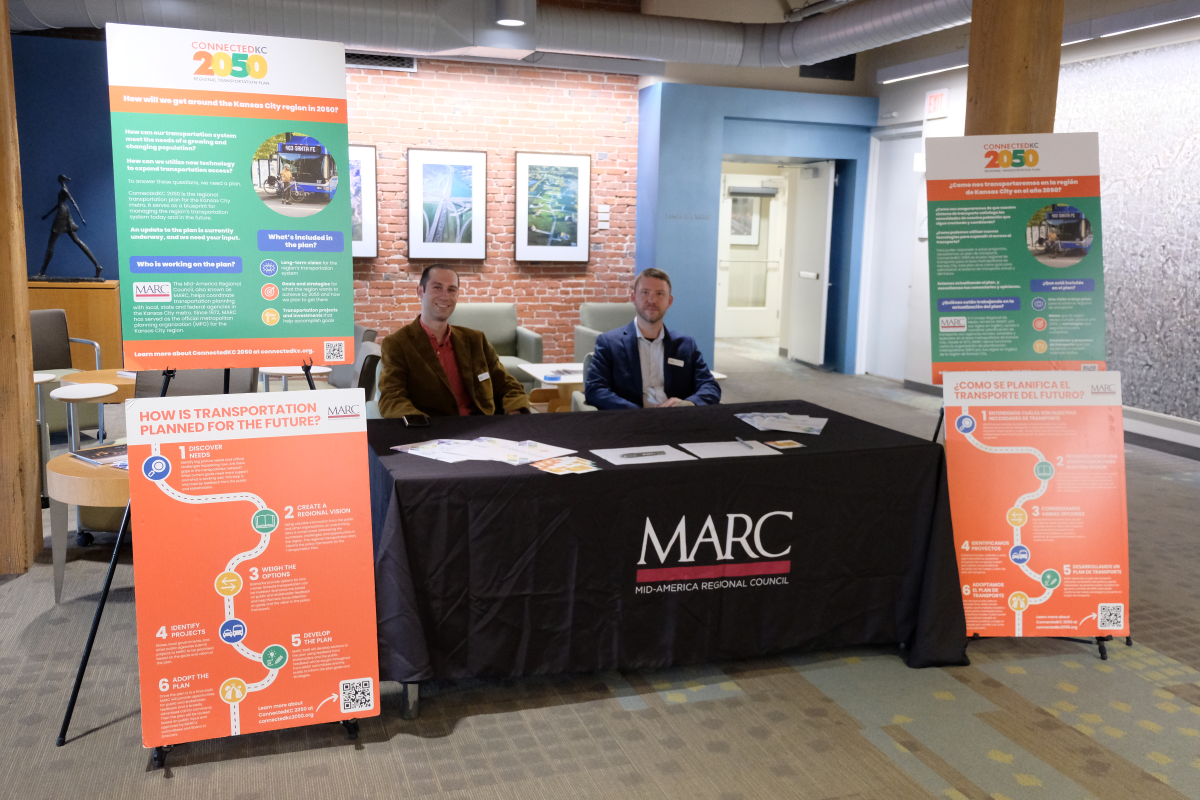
792,423
566,466
484,448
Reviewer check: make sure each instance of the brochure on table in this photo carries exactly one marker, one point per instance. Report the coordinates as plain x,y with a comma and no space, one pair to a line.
232,231
1037,492
254,572
1016,271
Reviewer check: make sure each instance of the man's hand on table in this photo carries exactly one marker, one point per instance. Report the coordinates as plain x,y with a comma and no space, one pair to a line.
673,402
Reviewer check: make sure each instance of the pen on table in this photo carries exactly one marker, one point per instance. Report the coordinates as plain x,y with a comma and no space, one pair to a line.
642,454
743,441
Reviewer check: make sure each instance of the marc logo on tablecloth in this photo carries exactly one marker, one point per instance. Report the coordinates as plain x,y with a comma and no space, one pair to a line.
747,543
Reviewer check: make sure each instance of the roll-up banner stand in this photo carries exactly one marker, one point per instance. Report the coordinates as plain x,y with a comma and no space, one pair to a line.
254,576
232,231
1034,433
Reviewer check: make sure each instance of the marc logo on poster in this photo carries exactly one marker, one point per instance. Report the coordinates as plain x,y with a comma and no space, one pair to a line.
152,292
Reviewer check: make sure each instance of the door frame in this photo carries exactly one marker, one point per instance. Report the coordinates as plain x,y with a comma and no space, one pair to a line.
905,130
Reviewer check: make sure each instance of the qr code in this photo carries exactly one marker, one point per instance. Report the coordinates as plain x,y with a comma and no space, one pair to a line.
335,351
1111,616
358,695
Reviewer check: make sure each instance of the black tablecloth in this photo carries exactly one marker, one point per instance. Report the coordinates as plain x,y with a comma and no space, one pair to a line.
488,569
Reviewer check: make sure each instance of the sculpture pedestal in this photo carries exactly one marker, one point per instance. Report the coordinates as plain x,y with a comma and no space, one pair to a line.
93,312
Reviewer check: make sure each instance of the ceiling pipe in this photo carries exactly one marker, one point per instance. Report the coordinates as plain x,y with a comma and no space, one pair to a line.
468,27
819,7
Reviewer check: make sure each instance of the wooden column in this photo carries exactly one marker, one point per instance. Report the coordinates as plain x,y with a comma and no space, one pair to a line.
20,503
1012,83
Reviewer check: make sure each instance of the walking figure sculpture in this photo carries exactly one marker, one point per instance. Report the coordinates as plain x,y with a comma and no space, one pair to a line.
64,223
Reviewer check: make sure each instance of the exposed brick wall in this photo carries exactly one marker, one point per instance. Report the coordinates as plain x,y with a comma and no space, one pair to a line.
500,109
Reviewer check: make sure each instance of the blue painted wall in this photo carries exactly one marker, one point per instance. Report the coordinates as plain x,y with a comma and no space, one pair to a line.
685,130
63,127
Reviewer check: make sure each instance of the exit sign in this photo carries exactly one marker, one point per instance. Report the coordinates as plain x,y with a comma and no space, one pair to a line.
937,104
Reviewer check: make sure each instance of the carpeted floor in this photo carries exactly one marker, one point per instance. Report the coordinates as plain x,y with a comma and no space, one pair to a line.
1030,718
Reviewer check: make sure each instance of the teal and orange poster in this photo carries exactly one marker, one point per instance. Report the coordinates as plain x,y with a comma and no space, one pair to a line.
1016,270
232,231
1037,493
254,572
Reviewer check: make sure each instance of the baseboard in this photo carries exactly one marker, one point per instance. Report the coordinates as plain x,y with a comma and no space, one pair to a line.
1162,432
923,388
1162,445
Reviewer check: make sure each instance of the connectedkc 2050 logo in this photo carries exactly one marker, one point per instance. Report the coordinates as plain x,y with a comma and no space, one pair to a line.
751,549
225,60
1011,156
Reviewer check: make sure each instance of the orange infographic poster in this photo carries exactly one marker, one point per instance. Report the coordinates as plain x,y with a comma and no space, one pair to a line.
254,573
1037,492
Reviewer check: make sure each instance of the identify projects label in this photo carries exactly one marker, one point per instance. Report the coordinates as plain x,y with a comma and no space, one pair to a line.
255,593
1016,251
1037,491
226,160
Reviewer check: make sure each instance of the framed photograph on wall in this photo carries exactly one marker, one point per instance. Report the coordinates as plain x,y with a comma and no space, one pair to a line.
364,214
446,204
553,206
743,220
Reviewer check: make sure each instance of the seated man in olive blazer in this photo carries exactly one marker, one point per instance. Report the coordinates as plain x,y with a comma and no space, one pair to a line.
437,370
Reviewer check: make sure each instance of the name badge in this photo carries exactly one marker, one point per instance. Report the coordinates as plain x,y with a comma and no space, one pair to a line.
674,362
483,376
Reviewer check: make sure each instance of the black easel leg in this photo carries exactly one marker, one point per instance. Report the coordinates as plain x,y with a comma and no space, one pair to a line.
307,367
226,381
167,375
938,429
87,650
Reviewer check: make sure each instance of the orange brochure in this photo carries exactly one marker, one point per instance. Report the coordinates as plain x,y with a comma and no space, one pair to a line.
1037,493
253,571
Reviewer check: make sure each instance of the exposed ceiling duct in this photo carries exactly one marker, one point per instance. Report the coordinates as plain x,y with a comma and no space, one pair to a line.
468,27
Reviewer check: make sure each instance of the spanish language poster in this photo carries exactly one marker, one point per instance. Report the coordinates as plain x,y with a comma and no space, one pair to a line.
254,571
233,236
1037,492
1016,271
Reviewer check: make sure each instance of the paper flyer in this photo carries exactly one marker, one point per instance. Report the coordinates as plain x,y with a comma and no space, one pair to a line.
254,572
1016,269
233,236
1037,493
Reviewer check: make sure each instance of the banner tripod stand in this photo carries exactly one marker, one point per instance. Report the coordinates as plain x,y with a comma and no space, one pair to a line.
160,753
1099,641
941,418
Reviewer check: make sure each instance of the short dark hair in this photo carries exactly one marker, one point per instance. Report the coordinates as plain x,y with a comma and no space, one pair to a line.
431,267
652,272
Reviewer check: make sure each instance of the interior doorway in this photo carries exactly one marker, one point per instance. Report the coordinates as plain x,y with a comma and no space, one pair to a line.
896,254
773,252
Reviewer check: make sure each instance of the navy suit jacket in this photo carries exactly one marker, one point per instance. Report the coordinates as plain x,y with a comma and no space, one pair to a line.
615,379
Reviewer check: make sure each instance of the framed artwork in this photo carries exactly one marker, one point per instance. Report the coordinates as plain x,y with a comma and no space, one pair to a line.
446,204
364,214
743,220
553,206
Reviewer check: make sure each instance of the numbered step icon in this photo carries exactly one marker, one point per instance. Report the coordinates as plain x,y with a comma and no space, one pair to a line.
1051,579
264,521
1016,517
156,468
965,424
232,630
228,584
233,690
274,656
1018,601
1043,470
1019,554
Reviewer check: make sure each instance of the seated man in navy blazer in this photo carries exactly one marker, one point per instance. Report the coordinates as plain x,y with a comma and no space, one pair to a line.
646,365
